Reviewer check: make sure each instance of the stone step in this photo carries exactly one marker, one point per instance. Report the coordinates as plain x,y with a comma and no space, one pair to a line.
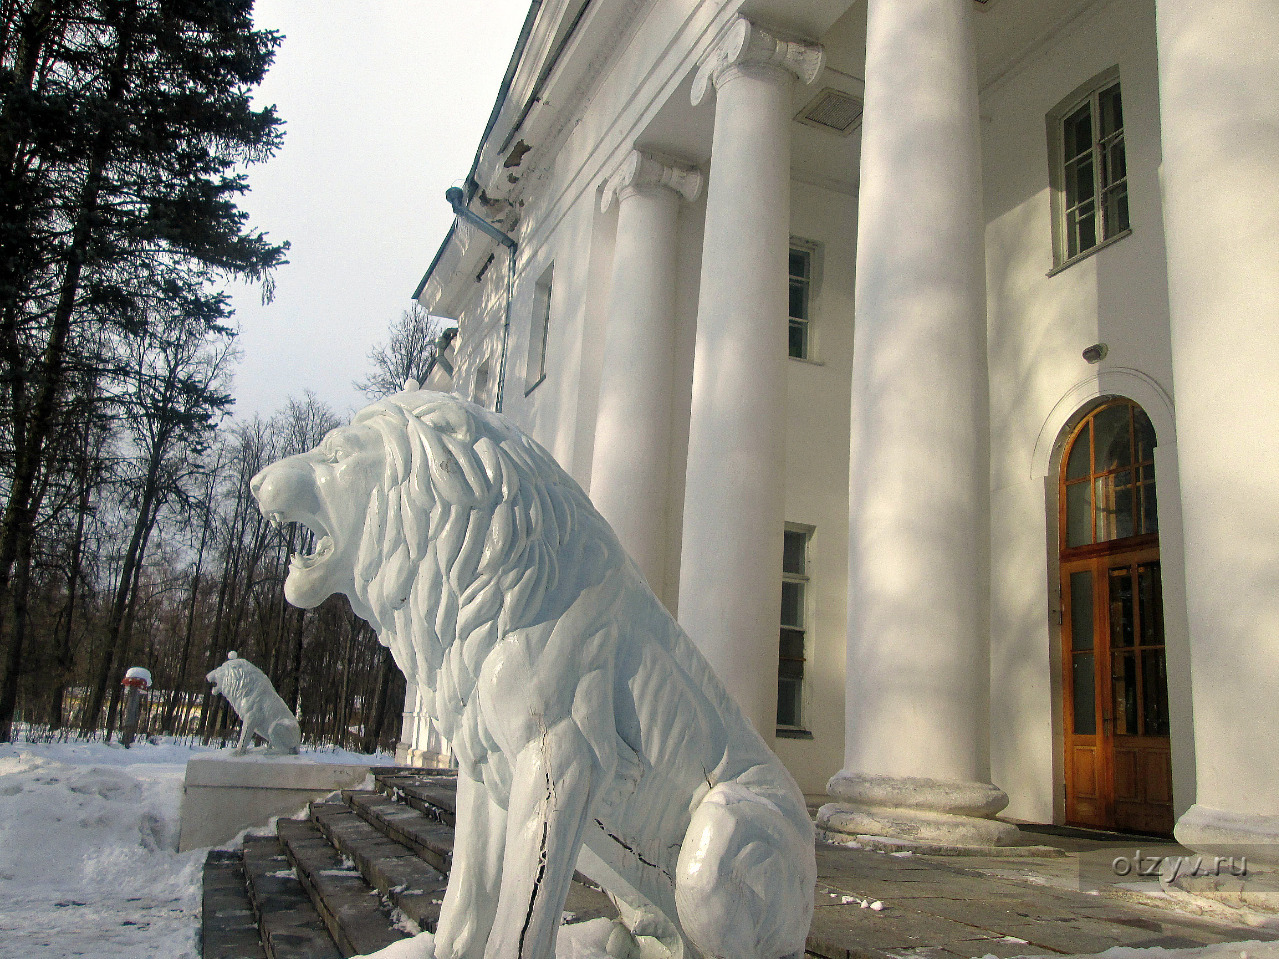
228,927
429,832
352,911
429,792
410,884
356,876
288,924
430,839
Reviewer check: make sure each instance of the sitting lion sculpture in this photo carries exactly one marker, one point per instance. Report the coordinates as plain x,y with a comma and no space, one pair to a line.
259,706
588,730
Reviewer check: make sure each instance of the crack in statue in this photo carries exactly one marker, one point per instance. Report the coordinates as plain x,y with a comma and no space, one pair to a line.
589,731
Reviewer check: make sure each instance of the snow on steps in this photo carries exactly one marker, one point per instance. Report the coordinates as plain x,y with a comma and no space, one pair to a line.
354,877
288,924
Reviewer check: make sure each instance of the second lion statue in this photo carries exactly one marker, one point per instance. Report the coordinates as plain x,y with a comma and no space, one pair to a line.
589,731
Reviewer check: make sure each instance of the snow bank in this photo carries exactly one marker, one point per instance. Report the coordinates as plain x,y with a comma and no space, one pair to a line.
87,867
87,861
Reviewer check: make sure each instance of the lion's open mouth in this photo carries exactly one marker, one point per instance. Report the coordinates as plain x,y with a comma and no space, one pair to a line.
322,542
323,547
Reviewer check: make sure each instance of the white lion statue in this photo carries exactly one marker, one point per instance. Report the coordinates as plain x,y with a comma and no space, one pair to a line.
588,729
259,706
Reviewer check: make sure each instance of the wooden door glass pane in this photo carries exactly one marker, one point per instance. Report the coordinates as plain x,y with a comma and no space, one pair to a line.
1154,706
1122,627
1081,620
1085,696
1082,662
1113,502
1108,478
1148,514
1078,514
1123,680
1079,463
1151,600
1144,433
1113,442
1154,665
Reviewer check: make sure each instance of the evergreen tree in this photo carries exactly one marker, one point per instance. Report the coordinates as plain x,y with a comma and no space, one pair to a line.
124,131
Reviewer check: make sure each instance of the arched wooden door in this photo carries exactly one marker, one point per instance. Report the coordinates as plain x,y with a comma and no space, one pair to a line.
1118,761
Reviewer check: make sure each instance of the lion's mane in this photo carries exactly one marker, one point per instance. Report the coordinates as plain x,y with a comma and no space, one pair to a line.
475,533
466,541
235,679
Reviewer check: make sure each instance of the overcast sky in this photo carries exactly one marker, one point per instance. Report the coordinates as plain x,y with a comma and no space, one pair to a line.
384,103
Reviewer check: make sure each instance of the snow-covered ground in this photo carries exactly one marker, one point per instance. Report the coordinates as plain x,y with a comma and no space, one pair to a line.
88,867
87,862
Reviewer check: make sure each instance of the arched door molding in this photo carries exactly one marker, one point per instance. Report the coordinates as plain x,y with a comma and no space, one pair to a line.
1131,384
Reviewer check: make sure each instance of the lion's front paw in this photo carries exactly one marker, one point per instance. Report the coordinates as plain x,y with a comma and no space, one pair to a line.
621,944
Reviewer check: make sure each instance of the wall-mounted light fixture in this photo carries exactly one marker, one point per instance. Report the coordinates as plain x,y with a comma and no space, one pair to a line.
1096,353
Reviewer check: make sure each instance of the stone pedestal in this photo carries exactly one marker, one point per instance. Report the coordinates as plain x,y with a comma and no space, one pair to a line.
731,559
224,794
917,762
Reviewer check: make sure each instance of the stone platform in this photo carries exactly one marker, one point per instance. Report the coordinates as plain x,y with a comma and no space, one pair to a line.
224,794
370,866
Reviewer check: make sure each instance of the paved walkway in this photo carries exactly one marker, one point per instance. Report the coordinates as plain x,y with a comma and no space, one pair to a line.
940,907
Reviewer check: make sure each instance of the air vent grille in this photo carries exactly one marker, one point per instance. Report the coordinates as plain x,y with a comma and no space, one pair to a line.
832,110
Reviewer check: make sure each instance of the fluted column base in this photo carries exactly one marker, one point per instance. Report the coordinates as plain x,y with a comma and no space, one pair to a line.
1218,832
917,809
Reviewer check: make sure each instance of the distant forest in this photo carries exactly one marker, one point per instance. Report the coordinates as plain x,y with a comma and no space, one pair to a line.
128,535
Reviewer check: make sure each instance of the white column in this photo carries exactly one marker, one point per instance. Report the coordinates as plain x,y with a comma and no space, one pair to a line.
917,741
730,566
1218,73
630,475
408,725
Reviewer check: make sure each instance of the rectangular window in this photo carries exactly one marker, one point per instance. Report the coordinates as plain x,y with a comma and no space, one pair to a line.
794,628
1090,170
801,290
539,331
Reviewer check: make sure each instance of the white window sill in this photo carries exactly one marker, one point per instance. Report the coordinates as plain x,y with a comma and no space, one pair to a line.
792,732
1089,252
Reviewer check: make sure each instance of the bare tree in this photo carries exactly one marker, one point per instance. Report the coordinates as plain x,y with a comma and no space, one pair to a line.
409,354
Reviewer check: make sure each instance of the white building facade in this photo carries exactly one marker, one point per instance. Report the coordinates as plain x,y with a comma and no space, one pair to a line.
925,355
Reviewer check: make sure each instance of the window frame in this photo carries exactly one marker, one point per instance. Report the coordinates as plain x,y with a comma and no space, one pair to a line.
1088,94
481,382
799,729
539,333
812,253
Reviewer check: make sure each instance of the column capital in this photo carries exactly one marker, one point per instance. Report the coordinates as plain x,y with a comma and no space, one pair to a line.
642,170
745,44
